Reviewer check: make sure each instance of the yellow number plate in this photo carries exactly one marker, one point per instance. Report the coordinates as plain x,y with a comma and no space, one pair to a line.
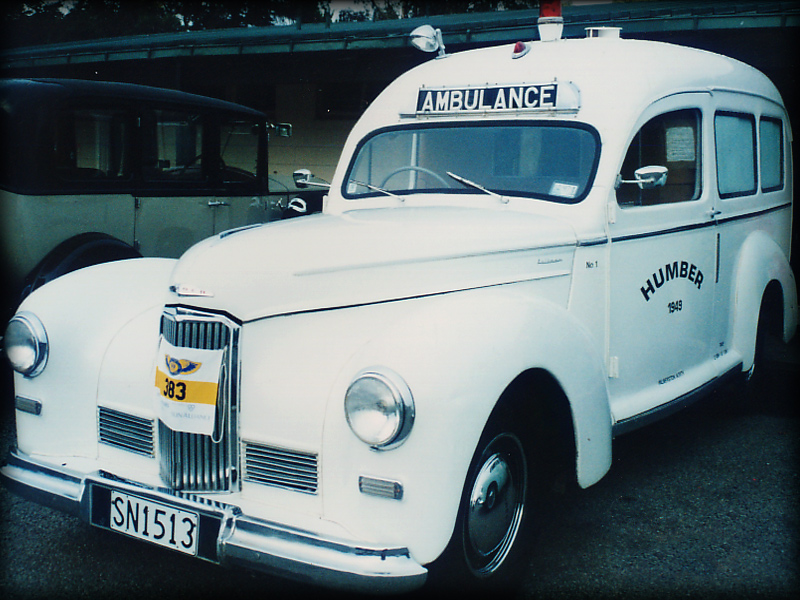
195,392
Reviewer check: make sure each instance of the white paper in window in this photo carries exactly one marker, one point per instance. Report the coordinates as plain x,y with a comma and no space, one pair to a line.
680,144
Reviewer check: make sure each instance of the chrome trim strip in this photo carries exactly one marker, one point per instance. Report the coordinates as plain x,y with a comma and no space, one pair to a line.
243,540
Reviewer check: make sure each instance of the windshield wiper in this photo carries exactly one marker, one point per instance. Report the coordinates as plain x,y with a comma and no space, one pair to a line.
477,186
377,189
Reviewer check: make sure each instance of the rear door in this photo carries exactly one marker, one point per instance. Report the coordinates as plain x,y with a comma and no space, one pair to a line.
754,185
176,209
91,174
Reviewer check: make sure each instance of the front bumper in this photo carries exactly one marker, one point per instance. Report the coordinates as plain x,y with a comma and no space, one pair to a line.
232,538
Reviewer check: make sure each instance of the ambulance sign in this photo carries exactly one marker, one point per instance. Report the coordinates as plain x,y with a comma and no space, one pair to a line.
496,98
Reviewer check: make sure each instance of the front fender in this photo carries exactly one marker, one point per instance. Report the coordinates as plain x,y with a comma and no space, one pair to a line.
82,312
458,353
760,261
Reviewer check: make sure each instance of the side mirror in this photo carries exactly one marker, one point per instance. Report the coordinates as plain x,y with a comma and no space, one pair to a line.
302,179
282,129
647,178
651,177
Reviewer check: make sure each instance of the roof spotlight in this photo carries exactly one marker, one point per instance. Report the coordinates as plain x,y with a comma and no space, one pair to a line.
427,39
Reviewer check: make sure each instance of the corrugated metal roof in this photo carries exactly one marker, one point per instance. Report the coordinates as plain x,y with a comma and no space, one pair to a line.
462,29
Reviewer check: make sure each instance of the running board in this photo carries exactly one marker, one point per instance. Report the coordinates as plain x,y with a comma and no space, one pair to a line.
670,408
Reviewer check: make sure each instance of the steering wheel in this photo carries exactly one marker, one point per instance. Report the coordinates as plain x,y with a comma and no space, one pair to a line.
414,168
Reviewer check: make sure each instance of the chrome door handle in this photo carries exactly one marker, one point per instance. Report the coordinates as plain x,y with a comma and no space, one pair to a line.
218,203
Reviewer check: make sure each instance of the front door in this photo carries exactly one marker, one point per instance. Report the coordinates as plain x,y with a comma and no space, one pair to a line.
663,263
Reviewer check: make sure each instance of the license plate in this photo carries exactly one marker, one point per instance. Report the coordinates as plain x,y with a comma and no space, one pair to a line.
154,522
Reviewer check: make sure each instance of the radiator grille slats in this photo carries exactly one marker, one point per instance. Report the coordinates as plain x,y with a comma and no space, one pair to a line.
191,461
125,431
203,335
280,467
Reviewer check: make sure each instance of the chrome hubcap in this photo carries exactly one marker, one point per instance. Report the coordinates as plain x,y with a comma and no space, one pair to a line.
496,504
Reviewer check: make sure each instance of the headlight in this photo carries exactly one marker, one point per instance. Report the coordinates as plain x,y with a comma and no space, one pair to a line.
25,344
379,408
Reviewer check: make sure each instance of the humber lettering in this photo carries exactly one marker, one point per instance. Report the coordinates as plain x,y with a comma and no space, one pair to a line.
394,387
674,270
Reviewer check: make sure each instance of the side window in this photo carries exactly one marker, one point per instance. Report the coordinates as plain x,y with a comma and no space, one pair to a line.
172,146
239,150
735,136
669,140
771,136
92,145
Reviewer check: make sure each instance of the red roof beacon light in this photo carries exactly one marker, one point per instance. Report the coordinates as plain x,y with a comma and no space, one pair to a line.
551,23
520,50
550,8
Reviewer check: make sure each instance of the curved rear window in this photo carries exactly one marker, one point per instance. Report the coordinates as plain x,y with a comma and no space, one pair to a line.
549,160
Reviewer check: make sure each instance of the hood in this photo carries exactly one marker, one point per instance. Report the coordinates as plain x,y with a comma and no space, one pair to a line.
328,261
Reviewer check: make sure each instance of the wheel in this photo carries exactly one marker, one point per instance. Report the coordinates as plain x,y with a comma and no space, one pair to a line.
496,505
417,169
500,510
767,336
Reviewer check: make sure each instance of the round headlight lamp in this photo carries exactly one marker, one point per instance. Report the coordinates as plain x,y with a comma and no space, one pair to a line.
25,343
379,408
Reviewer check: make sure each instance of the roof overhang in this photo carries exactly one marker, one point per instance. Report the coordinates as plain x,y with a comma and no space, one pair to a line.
460,30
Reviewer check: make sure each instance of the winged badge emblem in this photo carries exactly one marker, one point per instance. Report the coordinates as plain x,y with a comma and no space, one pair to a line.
181,366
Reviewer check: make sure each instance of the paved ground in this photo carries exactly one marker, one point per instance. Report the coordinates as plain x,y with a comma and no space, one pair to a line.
702,505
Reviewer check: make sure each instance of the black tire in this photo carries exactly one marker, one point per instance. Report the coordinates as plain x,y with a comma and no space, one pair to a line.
770,324
499,514
76,253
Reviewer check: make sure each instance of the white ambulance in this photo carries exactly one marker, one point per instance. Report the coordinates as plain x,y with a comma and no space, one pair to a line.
525,251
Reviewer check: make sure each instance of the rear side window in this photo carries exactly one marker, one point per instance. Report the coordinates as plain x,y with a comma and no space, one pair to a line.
669,140
92,145
771,156
735,137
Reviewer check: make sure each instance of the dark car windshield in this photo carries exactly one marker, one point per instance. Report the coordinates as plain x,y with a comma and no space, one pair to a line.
548,160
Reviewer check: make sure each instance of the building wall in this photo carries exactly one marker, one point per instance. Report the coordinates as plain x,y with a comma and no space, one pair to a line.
315,143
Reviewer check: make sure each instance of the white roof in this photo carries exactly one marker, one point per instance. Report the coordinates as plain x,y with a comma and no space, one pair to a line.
618,74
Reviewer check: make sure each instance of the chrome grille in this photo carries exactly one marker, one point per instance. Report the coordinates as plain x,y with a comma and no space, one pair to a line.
190,461
280,467
125,431
203,335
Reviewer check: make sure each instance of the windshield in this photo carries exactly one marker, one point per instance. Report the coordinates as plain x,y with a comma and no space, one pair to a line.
549,160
